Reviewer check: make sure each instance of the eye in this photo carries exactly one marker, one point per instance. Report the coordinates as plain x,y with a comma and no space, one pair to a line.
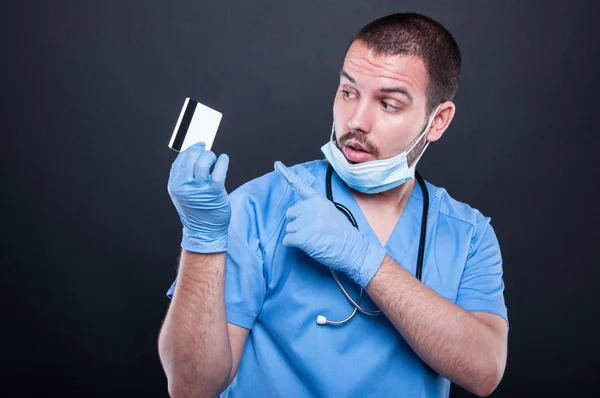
388,107
347,94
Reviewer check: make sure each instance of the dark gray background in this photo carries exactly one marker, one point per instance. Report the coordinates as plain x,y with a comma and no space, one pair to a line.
91,93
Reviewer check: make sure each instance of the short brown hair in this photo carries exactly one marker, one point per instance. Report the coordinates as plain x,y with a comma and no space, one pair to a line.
417,35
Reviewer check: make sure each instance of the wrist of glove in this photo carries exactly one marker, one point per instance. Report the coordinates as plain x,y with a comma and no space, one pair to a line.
205,229
363,259
197,243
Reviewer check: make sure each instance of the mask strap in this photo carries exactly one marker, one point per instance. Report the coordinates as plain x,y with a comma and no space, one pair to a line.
332,138
424,132
419,157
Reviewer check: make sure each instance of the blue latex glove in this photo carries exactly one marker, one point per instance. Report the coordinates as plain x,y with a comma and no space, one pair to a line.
201,199
324,233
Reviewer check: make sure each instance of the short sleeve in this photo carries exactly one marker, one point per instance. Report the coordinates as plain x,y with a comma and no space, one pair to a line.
244,280
245,284
171,290
481,287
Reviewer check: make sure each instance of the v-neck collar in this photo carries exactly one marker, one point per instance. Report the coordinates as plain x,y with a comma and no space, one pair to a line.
403,240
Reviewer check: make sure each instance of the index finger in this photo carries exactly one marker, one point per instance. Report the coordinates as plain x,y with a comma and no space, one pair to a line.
294,181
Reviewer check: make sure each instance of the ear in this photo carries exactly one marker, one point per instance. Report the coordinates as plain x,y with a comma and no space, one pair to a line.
441,121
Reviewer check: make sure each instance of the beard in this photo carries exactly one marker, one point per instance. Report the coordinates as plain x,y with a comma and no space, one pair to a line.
359,137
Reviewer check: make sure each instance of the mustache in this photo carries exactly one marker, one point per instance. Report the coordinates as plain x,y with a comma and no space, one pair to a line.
360,138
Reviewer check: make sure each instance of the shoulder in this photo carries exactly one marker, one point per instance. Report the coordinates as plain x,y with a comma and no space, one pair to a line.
458,212
271,186
262,202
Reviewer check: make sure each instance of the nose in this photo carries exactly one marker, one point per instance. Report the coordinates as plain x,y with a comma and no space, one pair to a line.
361,118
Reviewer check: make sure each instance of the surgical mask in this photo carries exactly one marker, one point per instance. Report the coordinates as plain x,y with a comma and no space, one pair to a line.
377,175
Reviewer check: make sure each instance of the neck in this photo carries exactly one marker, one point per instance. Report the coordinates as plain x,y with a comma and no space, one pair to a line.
394,198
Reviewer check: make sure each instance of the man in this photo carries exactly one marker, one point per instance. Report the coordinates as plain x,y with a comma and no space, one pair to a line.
255,267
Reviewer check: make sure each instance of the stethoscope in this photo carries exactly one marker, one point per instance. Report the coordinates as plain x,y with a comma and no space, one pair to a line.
322,320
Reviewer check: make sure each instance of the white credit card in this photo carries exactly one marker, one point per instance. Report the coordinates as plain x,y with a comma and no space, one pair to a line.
196,123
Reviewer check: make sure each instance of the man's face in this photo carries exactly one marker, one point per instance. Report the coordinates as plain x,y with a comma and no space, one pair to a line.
379,109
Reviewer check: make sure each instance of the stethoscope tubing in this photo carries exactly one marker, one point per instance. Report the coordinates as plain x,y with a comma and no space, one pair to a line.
350,216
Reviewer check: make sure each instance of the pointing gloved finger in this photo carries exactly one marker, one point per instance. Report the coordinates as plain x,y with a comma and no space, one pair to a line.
220,171
189,158
294,180
203,165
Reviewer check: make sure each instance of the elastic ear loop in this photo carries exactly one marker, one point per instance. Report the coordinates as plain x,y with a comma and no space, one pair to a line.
423,134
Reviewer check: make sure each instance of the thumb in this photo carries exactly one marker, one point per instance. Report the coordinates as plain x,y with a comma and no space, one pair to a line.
294,181
220,171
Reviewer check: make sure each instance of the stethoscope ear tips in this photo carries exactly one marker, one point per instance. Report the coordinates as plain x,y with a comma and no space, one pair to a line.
321,320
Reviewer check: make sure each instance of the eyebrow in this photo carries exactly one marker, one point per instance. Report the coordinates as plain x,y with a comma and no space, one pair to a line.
347,76
399,90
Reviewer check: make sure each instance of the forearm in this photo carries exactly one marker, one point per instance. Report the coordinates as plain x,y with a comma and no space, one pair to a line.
194,343
450,340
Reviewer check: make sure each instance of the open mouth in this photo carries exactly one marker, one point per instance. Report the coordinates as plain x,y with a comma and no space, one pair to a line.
355,153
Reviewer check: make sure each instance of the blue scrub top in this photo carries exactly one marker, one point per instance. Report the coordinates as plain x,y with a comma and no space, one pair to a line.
278,292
